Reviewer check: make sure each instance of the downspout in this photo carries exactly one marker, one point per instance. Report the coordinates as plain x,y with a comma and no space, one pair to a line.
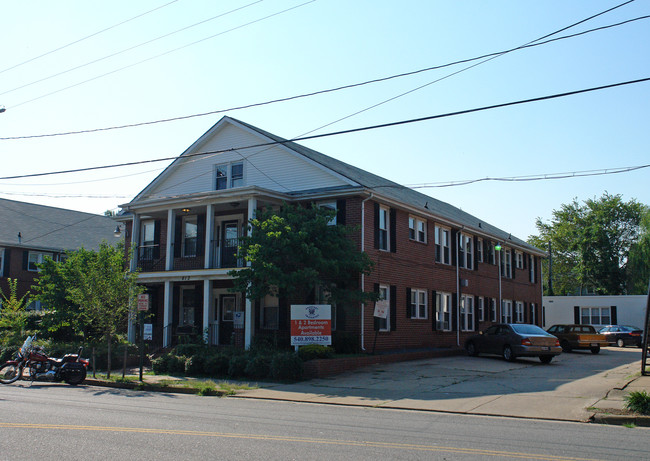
363,277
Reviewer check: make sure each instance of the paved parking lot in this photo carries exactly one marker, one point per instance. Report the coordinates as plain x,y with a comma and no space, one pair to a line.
566,389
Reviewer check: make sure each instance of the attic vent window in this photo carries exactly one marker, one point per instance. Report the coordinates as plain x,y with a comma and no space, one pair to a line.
229,175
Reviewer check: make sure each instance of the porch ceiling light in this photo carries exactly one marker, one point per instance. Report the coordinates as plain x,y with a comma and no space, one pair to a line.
185,210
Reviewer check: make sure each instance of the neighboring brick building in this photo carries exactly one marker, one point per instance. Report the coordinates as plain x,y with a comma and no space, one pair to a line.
435,265
30,232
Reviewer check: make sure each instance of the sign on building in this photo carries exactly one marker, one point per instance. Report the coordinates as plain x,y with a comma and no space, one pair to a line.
143,302
311,324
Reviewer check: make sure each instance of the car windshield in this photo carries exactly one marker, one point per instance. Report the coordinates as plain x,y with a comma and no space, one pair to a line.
528,330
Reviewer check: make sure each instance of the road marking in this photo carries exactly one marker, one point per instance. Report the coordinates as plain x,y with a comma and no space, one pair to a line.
279,438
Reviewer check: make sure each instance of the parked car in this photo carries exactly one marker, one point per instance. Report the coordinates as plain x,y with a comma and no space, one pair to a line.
579,337
623,335
512,340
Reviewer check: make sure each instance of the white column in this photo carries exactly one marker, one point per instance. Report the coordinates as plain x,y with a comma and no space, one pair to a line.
248,322
209,222
206,311
167,313
135,242
169,255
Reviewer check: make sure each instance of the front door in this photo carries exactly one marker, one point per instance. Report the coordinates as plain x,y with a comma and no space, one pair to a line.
227,309
229,244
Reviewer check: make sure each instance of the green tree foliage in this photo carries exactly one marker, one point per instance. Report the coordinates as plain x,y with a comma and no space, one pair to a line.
294,250
590,244
13,317
638,265
90,293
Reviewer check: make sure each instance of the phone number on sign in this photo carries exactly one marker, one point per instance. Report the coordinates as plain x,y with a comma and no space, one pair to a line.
297,340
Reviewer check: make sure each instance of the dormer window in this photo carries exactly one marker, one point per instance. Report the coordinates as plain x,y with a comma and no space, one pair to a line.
229,175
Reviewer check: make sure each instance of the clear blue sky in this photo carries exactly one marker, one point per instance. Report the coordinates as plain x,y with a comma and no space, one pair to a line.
320,45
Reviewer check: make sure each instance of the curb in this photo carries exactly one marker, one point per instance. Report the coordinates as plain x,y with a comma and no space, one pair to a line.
620,420
138,386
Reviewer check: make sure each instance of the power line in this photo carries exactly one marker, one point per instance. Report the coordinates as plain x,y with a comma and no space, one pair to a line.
162,54
337,133
86,37
127,49
319,92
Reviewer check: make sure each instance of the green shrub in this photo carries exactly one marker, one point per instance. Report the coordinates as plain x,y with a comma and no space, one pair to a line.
194,365
160,365
8,353
237,366
176,364
638,401
216,365
345,342
315,351
258,366
189,350
286,366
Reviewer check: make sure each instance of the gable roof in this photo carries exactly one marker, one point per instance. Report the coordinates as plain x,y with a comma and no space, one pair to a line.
51,228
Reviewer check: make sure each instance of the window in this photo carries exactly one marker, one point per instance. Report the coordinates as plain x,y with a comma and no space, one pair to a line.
383,228
519,312
329,206
147,246
506,311
506,263
489,252
493,310
2,261
532,314
443,311
234,171
324,296
418,304
270,314
479,250
190,235
467,313
465,251
481,309
595,315
34,306
519,259
384,324
531,266
188,304
35,258
417,229
443,251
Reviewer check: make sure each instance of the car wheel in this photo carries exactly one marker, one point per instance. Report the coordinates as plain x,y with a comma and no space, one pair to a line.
545,358
565,346
595,350
471,349
620,343
508,354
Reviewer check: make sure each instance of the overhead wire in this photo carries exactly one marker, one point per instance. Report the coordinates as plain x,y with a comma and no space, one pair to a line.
319,92
86,37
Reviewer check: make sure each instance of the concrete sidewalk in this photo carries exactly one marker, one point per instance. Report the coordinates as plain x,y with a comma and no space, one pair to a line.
574,387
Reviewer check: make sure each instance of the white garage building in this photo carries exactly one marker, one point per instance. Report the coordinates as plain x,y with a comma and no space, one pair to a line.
594,310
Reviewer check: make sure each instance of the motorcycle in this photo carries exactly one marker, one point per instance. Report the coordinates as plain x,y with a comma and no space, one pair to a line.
34,362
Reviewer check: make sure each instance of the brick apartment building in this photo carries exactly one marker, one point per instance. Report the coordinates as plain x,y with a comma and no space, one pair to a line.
31,232
442,272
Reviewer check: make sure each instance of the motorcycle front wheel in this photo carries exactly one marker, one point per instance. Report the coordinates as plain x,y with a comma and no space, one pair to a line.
9,373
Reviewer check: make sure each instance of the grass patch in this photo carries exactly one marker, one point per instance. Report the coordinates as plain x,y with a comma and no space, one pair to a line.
629,425
232,388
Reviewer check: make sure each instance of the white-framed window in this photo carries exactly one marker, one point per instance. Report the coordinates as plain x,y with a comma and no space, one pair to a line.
188,306
190,236
329,206
595,315
467,313
493,310
519,259
2,262
384,295
36,257
270,313
417,229
442,242
506,263
506,311
383,228
229,175
481,309
147,234
519,312
34,305
418,304
533,318
479,250
490,253
443,311
531,266
465,251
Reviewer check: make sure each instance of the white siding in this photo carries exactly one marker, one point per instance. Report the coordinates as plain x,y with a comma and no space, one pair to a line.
630,310
271,167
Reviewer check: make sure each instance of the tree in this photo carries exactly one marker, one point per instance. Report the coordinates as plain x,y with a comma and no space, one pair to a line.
590,244
294,250
638,266
92,292
13,317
